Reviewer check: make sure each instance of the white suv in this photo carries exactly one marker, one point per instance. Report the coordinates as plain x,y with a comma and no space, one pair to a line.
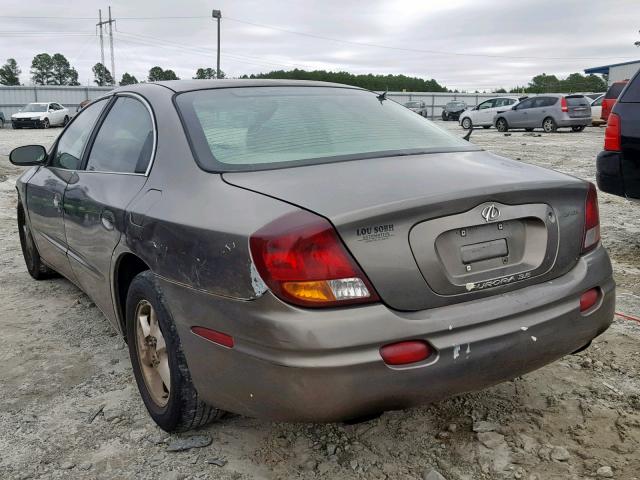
482,115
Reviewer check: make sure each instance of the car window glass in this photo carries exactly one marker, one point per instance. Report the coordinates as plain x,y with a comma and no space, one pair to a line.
503,102
525,104
69,150
632,93
597,102
614,90
125,139
487,104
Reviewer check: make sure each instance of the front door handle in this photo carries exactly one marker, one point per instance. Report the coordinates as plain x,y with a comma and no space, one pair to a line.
108,219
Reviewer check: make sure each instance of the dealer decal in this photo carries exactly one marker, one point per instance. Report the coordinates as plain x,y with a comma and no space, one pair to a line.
375,233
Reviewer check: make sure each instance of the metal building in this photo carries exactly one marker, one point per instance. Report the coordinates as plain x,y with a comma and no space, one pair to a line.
617,71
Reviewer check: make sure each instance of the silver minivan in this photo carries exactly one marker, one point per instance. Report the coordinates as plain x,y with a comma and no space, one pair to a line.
548,111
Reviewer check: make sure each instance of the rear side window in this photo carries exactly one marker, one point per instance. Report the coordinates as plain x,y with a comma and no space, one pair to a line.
124,143
632,93
614,90
577,101
72,142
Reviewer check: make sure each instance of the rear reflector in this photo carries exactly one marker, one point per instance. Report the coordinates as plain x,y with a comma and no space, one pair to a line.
403,353
612,134
214,336
591,220
589,299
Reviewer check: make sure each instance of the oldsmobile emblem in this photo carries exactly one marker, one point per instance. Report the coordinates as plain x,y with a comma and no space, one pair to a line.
490,212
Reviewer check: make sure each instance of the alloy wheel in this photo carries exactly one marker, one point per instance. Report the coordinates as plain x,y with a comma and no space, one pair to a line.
152,354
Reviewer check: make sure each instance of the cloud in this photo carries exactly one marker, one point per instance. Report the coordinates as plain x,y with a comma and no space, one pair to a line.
504,43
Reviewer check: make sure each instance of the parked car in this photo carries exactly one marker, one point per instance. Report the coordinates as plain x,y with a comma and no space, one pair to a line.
618,165
41,115
596,111
549,112
483,114
309,267
610,98
417,106
452,110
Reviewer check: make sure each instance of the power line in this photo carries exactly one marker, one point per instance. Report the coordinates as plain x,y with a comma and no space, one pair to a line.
414,50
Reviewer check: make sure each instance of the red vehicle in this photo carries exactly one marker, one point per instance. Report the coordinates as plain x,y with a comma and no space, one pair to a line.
611,97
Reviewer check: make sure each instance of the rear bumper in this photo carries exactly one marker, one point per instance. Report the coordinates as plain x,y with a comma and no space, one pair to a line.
617,176
574,122
312,365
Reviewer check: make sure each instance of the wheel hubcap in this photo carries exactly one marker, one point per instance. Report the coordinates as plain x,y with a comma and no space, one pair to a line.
152,354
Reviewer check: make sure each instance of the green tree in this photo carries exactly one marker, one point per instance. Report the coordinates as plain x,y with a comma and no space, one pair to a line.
10,73
157,74
207,73
128,79
369,81
42,69
63,72
102,76
544,83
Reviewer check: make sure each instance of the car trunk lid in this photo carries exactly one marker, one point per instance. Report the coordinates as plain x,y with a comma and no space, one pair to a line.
430,230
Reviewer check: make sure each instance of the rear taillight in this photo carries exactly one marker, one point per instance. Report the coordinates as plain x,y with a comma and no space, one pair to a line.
591,220
301,259
563,104
612,133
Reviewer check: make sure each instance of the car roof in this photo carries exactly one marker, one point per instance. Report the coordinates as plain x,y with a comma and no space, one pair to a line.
191,85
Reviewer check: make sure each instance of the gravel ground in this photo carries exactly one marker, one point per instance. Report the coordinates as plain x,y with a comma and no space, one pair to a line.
69,407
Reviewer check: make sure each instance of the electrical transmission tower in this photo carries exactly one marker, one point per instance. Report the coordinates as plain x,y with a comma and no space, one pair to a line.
110,22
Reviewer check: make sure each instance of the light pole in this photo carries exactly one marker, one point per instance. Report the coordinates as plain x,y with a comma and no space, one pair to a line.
218,15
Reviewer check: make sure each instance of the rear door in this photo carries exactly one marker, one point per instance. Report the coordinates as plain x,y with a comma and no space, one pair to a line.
46,189
116,167
578,106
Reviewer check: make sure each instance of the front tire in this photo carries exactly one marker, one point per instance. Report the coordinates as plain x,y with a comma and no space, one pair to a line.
15,127
445,117
577,128
158,362
549,125
45,123
501,125
467,124
36,268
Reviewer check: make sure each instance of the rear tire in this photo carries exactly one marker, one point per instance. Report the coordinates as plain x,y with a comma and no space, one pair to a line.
549,125
161,373
467,124
502,125
577,128
65,121
36,268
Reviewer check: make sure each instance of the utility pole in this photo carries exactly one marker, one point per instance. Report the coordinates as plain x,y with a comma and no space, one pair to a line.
100,23
218,15
113,61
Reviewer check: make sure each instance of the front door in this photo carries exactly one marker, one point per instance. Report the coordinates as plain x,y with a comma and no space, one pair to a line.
485,113
96,198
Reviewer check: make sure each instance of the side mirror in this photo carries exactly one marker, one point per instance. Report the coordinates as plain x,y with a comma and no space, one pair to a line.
28,155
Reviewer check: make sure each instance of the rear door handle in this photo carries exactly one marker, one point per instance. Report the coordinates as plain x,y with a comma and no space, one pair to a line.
108,219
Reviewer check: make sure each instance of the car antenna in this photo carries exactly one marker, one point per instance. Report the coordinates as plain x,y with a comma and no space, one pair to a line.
466,137
383,96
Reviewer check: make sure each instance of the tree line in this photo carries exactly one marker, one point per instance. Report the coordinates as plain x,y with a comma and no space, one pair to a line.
55,69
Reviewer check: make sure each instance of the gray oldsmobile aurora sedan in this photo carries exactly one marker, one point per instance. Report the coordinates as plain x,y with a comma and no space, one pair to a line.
309,251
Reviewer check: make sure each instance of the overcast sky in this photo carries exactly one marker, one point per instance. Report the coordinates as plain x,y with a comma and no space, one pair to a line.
464,44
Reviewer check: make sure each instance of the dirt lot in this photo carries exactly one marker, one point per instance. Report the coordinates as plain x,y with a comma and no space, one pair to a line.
69,407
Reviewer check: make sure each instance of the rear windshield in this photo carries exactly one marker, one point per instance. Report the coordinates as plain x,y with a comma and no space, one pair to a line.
614,90
577,101
412,104
249,128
